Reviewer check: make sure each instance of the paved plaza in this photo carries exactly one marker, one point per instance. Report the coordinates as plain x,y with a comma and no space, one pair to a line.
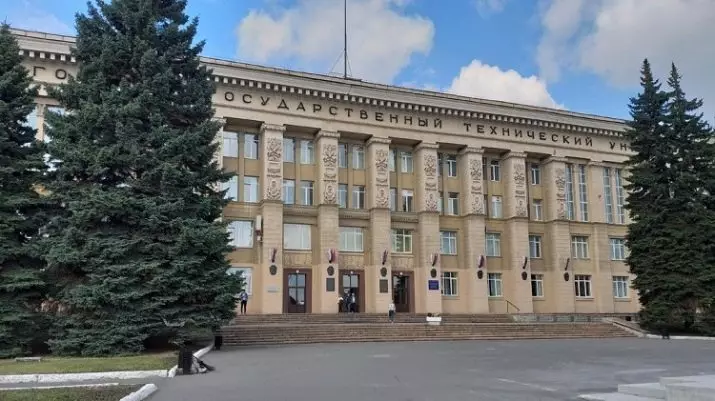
438,371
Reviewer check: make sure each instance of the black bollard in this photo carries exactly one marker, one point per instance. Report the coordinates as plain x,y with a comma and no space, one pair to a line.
186,360
218,342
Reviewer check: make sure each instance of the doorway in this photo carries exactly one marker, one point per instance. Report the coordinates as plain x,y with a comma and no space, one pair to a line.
401,292
296,296
352,282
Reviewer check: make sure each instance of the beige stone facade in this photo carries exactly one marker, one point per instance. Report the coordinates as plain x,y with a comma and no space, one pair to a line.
442,203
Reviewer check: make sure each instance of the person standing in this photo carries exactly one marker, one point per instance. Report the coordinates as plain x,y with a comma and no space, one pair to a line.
243,297
391,311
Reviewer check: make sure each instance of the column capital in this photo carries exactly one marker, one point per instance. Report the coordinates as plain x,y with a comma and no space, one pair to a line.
272,127
555,159
471,151
427,146
220,120
327,134
512,155
378,141
595,163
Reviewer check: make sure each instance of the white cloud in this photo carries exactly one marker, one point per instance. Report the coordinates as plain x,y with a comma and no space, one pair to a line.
610,38
486,7
490,82
28,15
382,38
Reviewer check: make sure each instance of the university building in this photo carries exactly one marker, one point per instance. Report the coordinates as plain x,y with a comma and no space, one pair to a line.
440,203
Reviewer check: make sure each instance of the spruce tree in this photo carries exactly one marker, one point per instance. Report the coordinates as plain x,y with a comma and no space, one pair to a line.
694,186
138,245
21,207
653,235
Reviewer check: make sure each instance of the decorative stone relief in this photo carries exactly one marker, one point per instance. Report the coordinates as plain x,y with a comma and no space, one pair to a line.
348,261
519,175
381,161
274,170
477,204
431,202
521,208
401,262
382,199
329,196
273,191
274,150
430,166
298,259
560,182
330,156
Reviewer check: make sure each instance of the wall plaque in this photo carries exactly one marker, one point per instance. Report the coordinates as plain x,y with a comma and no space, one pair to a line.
384,286
330,284
433,285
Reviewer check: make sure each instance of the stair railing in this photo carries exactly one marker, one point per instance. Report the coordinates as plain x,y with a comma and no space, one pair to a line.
509,303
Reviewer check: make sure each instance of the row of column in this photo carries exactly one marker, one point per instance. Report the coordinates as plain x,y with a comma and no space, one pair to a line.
514,238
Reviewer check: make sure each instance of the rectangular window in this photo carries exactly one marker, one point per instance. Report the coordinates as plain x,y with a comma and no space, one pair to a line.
351,239
582,283
408,201
240,234
250,146
494,171
537,209
440,164
495,284
306,193
451,165
449,284
358,197
484,168
535,246
582,192
342,155
579,247
307,152
620,199
453,204
440,203
231,188
448,242
535,174
407,165
496,209
250,189
230,144
392,157
620,286
288,192
401,241
537,285
618,249
296,236
288,150
569,193
343,195
247,274
493,243
358,157
393,199
607,195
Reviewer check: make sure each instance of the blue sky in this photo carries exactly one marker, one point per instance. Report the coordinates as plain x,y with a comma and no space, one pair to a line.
582,55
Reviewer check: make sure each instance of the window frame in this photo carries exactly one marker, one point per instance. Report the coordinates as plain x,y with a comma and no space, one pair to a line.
451,239
495,170
617,246
404,234
495,240
307,192
240,227
288,189
535,174
288,150
251,152
230,144
537,285
353,235
583,286
358,197
307,152
579,243
621,284
535,246
450,284
495,290
497,209
302,235
251,183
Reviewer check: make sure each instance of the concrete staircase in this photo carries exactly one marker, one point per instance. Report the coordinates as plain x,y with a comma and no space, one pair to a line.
306,329
688,388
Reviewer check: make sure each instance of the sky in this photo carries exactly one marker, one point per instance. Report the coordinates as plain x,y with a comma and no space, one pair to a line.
579,55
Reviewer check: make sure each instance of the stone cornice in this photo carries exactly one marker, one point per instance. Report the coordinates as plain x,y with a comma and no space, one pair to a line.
471,151
272,128
512,155
555,159
50,47
376,140
327,134
426,146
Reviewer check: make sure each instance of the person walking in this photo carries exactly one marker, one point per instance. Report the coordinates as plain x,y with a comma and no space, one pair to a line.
243,297
391,312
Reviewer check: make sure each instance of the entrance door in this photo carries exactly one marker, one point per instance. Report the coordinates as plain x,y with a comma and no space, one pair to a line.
296,290
350,284
401,292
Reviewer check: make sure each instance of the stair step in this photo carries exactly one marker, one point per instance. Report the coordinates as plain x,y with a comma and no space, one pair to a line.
652,390
614,397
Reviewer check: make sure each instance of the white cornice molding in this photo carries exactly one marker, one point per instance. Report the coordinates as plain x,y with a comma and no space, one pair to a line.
50,47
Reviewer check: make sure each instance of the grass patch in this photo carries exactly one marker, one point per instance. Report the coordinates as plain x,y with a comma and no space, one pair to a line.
86,365
108,393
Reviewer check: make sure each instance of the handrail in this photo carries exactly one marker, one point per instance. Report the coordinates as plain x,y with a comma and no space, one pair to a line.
509,303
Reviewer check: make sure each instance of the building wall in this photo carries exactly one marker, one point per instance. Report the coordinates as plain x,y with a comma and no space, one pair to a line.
442,147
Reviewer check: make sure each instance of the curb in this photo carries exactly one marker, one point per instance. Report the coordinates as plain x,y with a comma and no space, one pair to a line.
61,386
143,393
682,337
198,354
78,377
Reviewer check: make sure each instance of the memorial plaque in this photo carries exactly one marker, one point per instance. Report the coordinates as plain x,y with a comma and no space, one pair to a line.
330,284
384,286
